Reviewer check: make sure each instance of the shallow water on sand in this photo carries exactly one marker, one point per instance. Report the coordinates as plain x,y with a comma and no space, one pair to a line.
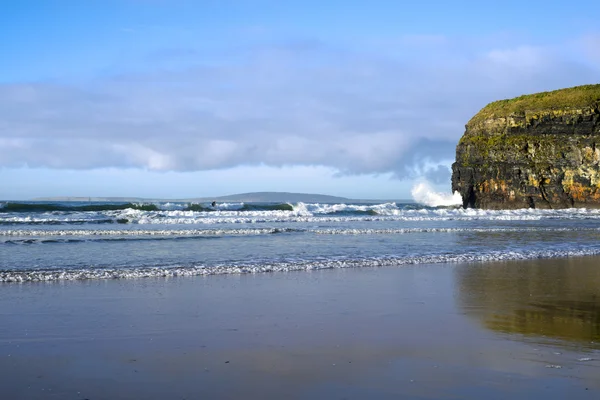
516,329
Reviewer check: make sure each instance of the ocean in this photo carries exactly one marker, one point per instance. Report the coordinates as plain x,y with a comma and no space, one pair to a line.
297,300
101,240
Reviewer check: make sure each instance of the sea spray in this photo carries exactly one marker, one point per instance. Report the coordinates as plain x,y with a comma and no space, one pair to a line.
423,193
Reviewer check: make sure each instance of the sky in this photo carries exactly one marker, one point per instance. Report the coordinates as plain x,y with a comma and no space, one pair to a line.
182,99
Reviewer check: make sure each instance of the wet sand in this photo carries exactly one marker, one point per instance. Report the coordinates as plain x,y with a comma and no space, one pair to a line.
520,330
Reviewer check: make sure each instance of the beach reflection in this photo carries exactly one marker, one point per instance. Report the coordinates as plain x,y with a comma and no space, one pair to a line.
541,300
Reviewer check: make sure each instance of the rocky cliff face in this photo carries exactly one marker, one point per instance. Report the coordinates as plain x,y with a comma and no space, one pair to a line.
539,151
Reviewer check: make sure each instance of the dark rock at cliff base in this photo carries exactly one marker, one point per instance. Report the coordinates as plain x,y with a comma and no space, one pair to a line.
538,151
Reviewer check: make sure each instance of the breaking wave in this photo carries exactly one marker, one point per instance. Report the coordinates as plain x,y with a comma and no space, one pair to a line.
269,231
34,207
49,207
303,213
423,193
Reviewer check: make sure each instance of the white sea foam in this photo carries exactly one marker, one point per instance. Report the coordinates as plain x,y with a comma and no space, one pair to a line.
383,213
228,206
445,230
41,236
284,266
423,193
143,232
171,206
313,213
318,208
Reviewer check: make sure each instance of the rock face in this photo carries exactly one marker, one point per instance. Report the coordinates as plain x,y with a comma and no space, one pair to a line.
538,151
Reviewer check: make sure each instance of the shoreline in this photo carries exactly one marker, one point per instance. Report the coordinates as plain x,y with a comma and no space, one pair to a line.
8,277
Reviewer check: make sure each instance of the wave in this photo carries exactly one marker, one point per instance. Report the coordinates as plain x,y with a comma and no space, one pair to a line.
403,231
198,207
354,212
105,239
60,274
423,193
239,207
148,232
267,207
8,207
315,213
37,237
270,231
49,207
269,219
301,213
50,221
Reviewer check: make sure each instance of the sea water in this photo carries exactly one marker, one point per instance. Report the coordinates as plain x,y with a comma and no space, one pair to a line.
75,240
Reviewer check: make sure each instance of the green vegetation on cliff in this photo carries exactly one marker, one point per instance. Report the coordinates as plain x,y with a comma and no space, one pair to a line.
579,97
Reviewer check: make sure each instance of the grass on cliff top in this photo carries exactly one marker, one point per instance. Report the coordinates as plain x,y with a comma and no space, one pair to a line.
571,98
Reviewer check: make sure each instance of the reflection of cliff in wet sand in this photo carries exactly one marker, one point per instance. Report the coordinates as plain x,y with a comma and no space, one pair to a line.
552,299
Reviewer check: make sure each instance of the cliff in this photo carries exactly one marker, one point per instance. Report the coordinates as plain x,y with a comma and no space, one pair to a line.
540,151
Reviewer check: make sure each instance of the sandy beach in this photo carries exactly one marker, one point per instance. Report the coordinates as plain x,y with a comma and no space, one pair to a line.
519,329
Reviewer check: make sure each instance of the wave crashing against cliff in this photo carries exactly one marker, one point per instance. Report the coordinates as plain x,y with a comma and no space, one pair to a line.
534,151
423,193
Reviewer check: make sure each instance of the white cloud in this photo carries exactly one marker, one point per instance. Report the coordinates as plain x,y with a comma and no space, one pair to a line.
304,104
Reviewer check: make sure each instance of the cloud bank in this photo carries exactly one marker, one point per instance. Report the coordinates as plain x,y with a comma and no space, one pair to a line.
397,109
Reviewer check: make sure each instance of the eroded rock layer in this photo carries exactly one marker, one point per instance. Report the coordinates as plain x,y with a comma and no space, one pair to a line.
540,151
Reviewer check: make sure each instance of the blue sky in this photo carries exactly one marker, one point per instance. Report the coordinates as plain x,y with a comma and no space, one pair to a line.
174,99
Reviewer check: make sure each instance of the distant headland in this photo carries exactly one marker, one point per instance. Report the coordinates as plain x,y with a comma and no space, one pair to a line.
253,197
